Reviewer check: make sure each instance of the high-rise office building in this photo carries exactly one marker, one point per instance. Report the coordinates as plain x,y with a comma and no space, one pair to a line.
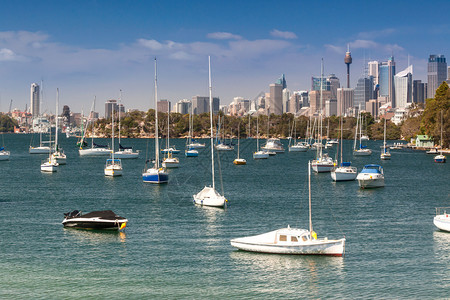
403,88
330,108
163,105
334,83
111,105
437,68
314,102
294,102
183,107
419,91
344,100
373,71
286,95
200,105
276,99
315,84
364,91
35,100
66,115
304,98
386,80
282,81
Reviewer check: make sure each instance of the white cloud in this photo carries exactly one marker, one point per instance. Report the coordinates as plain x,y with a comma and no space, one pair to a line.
363,44
223,36
151,44
9,55
283,34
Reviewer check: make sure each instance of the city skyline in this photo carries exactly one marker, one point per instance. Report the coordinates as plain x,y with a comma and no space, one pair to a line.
89,49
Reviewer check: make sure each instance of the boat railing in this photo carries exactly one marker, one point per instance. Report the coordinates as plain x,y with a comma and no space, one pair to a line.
442,210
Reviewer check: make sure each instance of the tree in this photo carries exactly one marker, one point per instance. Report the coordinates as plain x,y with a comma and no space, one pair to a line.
7,124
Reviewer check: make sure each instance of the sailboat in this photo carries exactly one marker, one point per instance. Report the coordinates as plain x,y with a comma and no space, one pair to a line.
191,146
292,240
442,218
441,157
322,163
41,149
345,171
4,155
208,196
124,152
259,154
363,150
113,165
50,165
170,161
58,155
221,146
95,149
156,174
297,146
385,153
238,160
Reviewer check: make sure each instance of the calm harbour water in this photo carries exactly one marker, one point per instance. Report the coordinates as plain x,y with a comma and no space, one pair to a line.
174,249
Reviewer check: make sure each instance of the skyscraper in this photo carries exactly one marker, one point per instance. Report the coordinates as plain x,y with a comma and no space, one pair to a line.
437,68
110,105
163,105
386,80
334,84
373,71
200,105
282,81
35,99
403,88
344,100
276,99
419,91
363,92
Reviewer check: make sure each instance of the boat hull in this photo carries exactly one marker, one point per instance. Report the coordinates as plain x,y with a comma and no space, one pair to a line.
94,152
39,150
191,153
240,161
385,156
126,155
442,222
365,182
49,167
440,159
362,152
113,171
344,174
298,149
4,155
260,155
157,177
171,163
322,166
95,225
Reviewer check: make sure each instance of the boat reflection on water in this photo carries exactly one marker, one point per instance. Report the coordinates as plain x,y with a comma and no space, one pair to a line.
442,246
94,237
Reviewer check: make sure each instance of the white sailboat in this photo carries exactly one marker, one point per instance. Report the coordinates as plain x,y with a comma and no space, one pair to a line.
41,149
95,149
50,165
442,218
385,153
259,154
221,146
58,155
441,158
297,146
191,146
156,174
238,160
292,241
170,161
363,150
323,163
208,196
124,152
345,171
113,165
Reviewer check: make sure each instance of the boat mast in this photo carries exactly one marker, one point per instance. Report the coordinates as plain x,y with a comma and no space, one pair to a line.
91,118
211,122
257,133
112,133
320,114
360,126
356,132
168,127
342,130
309,189
384,142
441,131
156,120
239,138
56,121
120,101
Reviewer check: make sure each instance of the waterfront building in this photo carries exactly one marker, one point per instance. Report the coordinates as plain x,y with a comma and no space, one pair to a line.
364,91
35,100
344,100
163,105
200,104
424,141
330,107
437,68
403,88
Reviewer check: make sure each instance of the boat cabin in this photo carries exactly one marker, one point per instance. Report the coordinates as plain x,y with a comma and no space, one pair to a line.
292,236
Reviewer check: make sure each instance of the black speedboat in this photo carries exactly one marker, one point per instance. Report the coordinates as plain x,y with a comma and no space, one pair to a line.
100,220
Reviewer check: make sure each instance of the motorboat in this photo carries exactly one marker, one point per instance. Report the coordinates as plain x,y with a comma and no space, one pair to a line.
292,240
371,176
274,145
126,153
113,167
433,151
100,220
442,218
344,172
4,155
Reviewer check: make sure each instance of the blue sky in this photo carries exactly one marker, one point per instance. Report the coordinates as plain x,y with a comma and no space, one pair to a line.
88,48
